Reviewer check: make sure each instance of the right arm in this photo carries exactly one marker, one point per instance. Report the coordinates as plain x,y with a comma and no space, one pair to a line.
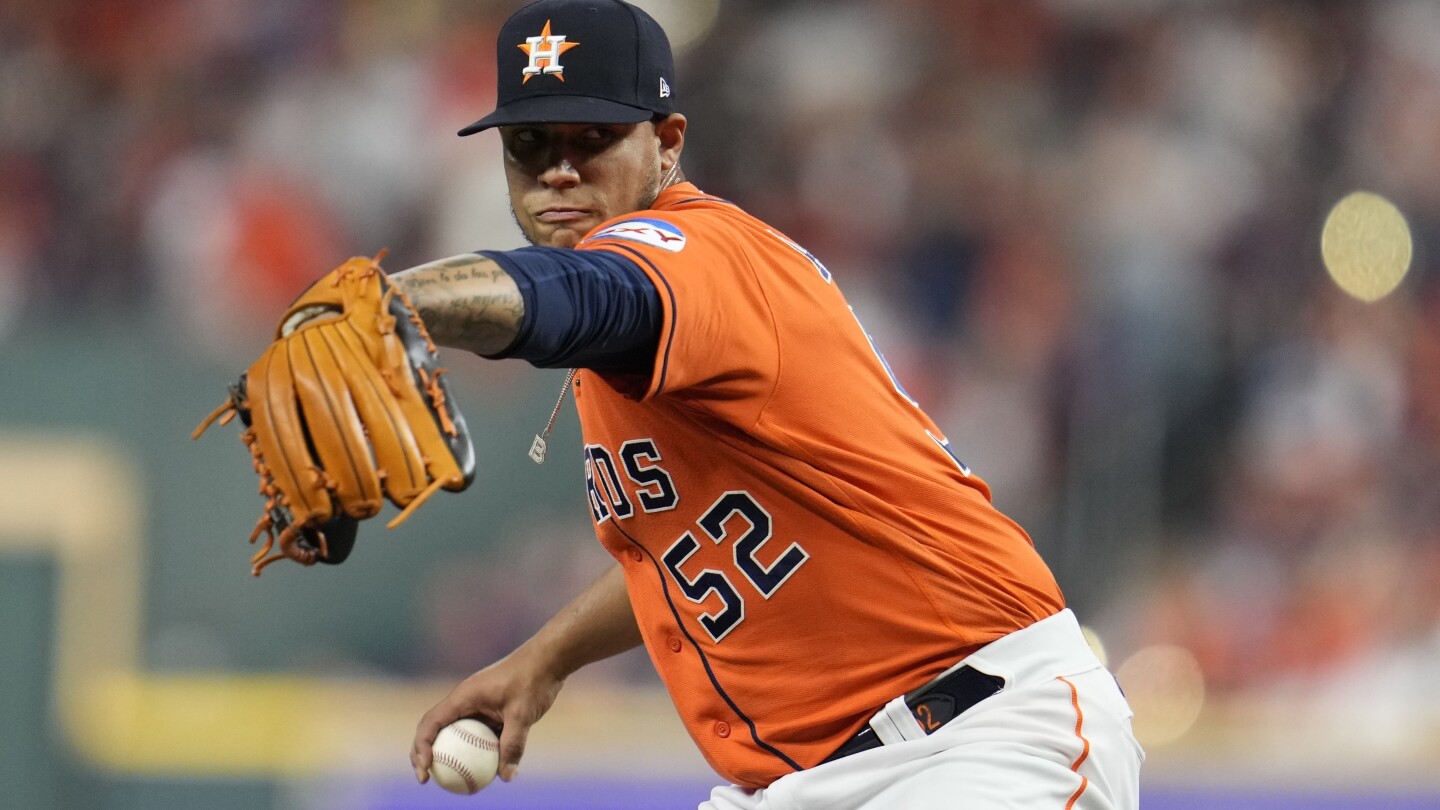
558,308
516,691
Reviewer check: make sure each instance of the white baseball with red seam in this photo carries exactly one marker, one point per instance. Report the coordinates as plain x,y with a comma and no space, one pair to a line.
465,756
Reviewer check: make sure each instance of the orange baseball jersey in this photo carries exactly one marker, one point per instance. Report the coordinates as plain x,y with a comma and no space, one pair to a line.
799,542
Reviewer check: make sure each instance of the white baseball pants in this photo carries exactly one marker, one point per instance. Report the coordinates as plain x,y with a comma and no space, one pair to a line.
1058,736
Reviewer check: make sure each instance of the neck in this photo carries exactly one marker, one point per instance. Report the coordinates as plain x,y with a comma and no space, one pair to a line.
672,177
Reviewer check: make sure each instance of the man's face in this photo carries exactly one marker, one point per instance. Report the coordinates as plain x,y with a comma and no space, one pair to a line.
567,178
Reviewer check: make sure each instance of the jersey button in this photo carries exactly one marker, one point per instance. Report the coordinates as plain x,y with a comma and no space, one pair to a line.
675,644
722,728
636,555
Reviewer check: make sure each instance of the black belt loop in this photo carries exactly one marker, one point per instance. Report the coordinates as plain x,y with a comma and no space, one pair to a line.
948,697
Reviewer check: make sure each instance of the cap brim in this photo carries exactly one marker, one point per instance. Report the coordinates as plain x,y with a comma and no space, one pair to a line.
560,110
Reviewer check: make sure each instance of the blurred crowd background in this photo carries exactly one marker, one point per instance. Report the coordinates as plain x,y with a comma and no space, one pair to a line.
1086,233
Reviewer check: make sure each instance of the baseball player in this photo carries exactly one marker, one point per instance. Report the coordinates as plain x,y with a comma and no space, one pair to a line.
841,617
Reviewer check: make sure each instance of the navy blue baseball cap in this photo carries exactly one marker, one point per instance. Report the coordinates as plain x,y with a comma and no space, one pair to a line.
581,61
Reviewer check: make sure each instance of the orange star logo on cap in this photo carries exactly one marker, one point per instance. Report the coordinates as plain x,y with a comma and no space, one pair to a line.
544,52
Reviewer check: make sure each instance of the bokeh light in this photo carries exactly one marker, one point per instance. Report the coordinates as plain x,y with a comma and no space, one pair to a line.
1096,645
1366,245
1166,689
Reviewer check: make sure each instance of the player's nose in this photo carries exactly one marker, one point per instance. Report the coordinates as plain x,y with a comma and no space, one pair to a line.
560,173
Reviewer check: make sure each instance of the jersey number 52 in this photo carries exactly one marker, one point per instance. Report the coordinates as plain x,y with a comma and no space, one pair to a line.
737,517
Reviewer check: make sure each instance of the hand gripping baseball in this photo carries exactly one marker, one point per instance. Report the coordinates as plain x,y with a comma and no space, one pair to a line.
511,694
345,408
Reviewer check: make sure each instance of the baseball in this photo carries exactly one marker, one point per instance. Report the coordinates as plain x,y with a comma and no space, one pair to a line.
466,755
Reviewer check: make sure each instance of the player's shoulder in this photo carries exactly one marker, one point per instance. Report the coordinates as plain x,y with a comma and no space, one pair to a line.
656,229
680,224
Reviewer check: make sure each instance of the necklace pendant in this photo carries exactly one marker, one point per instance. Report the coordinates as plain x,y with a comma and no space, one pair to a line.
537,447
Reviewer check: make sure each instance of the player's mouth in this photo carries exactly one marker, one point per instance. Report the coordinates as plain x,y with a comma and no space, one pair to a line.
561,216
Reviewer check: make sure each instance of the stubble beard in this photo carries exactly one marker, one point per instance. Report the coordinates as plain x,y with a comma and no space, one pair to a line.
652,193
652,183
525,232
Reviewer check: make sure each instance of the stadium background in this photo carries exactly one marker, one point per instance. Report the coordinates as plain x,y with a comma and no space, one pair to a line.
1086,233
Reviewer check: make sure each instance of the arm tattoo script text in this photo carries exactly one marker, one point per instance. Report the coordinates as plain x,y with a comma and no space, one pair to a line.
467,302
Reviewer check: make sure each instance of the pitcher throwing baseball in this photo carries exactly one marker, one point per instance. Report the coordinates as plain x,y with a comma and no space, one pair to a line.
841,617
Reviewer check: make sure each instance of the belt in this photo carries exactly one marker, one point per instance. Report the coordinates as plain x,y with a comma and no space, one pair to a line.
942,701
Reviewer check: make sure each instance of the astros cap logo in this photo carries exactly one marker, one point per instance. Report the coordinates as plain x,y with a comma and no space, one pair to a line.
544,52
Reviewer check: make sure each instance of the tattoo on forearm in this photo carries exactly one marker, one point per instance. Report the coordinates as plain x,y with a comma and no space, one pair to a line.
467,302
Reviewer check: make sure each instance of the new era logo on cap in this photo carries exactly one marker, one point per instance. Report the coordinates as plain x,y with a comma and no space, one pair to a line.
593,61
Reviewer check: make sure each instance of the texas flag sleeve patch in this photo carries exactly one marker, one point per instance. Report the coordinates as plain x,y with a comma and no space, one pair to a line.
653,232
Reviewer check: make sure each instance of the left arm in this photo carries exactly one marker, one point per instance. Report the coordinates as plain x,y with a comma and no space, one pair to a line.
468,302
554,307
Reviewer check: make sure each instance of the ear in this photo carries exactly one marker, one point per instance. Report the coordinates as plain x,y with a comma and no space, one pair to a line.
671,133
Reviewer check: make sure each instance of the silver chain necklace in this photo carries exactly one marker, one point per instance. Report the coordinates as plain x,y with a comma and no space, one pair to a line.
537,447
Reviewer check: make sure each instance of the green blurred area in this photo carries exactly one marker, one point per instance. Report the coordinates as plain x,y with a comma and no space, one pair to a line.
28,774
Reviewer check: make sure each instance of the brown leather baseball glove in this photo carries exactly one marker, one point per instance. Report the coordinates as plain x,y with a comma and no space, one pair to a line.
346,406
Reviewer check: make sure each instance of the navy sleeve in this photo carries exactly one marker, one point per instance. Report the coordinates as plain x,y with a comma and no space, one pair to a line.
583,308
